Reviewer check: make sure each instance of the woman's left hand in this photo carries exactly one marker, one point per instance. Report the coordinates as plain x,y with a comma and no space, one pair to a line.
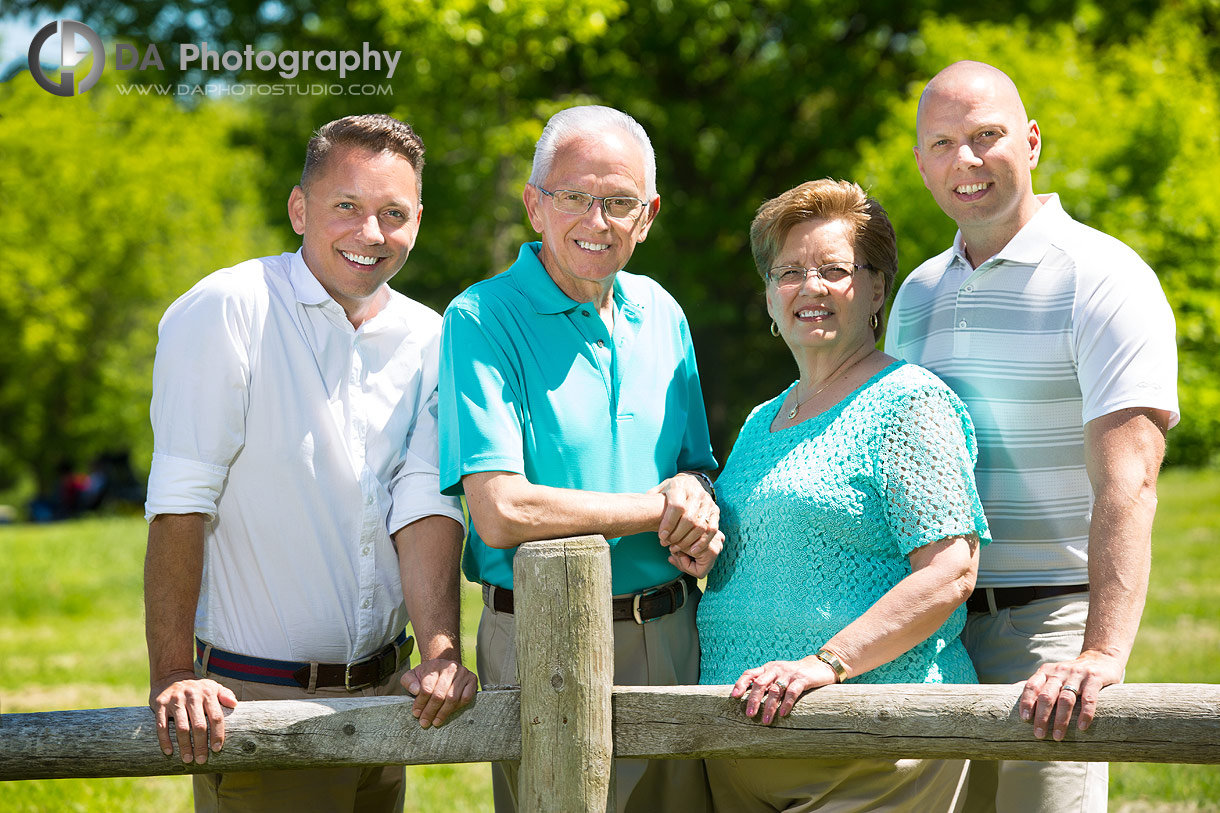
775,686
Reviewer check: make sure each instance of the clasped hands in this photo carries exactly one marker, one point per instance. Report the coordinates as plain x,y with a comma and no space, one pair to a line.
690,524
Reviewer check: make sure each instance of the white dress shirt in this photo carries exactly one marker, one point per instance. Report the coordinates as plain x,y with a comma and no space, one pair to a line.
306,442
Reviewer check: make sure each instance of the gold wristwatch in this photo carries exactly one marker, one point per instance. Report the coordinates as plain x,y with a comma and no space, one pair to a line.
832,660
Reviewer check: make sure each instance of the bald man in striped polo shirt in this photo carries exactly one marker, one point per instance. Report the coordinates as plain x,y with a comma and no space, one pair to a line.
1061,343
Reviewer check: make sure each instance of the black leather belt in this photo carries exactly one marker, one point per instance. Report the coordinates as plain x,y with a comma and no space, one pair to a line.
370,671
1006,597
641,607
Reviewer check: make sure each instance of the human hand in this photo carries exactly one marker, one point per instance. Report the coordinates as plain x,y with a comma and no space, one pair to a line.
440,687
194,706
691,518
1058,689
699,564
775,686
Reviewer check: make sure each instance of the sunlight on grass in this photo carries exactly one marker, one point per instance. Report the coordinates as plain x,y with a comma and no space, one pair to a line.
72,636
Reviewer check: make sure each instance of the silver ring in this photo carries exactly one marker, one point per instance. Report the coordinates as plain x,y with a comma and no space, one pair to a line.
782,684
1072,689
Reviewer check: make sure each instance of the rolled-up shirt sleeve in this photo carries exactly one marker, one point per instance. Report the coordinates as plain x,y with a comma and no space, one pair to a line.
416,488
201,381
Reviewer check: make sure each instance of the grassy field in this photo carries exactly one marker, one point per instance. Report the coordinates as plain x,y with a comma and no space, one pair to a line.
71,636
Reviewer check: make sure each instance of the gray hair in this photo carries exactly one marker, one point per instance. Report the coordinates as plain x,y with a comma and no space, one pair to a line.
591,119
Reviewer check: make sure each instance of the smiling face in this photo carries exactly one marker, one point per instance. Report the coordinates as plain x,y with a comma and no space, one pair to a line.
359,220
582,253
975,150
818,315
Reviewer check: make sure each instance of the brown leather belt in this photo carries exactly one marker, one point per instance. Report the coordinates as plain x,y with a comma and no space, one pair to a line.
641,607
1006,597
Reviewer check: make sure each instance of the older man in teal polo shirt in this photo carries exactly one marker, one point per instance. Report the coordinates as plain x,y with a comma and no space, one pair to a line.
570,404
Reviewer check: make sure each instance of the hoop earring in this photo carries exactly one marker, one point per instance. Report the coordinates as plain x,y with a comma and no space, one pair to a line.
774,329
874,322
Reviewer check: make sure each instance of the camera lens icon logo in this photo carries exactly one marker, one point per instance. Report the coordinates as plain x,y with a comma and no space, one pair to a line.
68,31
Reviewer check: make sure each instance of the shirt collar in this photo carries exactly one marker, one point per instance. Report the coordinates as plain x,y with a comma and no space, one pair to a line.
310,292
1030,244
304,284
533,280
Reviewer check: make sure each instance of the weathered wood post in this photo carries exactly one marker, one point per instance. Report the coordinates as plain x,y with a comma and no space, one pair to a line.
565,659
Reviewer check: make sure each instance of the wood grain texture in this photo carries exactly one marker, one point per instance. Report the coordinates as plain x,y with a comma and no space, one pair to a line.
565,659
1154,722
262,735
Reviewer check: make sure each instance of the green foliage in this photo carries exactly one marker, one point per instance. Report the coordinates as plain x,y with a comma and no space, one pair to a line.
1131,142
743,100
113,206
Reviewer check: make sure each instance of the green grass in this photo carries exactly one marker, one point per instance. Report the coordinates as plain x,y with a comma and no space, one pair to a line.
72,636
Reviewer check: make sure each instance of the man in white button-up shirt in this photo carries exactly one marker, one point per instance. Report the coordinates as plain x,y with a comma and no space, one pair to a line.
296,521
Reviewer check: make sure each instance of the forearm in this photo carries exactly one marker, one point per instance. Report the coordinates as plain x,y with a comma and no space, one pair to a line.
429,564
508,510
173,570
911,611
1124,452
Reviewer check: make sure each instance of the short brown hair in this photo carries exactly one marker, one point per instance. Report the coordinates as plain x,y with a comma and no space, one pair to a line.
826,199
375,132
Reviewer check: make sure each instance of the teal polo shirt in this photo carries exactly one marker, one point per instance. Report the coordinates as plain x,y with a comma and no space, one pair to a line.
533,383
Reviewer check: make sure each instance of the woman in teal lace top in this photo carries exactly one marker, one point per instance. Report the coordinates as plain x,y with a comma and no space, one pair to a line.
850,515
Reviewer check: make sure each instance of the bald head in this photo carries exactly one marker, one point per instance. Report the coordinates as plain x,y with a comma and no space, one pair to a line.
976,151
971,80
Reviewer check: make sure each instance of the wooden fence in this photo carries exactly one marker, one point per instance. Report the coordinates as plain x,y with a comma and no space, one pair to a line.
566,720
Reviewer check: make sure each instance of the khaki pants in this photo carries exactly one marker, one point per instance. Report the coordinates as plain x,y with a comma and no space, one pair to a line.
1008,647
330,790
662,652
835,786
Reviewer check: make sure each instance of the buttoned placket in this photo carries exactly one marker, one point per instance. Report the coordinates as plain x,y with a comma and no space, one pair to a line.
610,351
965,309
357,430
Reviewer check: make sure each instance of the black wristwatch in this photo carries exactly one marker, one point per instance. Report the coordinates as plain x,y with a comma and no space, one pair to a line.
704,480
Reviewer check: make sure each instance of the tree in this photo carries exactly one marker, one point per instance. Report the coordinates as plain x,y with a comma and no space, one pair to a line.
114,205
1131,141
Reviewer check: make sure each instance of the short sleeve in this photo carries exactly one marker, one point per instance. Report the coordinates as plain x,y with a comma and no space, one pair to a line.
1126,346
201,388
925,460
480,411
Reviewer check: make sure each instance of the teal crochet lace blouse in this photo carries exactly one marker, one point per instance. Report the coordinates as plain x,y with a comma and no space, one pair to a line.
819,519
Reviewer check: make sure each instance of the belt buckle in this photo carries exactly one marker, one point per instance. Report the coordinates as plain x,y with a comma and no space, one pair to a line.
347,677
652,591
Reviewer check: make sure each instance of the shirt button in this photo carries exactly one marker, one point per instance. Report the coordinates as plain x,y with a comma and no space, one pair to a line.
365,550
969,289
365,604
962,323
584,313
369,499
600,343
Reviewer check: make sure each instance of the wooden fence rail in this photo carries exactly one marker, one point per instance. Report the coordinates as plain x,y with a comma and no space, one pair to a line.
573,719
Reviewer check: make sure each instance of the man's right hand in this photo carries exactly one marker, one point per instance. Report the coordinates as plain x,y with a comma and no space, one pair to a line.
194,706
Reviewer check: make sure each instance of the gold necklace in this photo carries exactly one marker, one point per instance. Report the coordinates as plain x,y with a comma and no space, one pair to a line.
833,376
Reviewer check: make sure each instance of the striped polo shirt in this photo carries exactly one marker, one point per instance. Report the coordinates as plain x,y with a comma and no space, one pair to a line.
1064,325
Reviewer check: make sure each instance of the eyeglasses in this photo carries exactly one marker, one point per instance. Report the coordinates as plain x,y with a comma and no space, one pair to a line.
571,202
792,276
